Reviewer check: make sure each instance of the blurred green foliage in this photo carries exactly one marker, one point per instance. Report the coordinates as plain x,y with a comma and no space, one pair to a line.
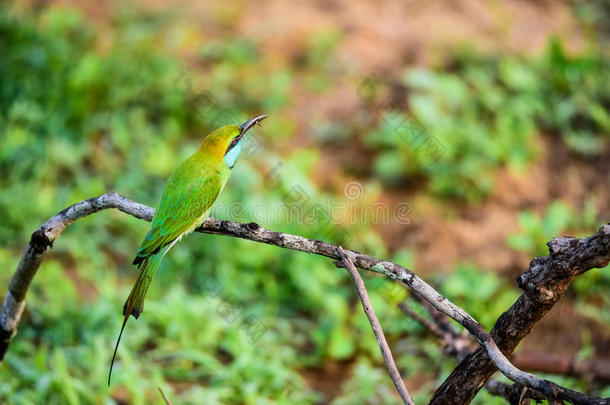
536,231
83,114
560,219
86,109
484,294
486,111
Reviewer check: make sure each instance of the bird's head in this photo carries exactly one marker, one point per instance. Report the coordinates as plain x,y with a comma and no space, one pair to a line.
227,142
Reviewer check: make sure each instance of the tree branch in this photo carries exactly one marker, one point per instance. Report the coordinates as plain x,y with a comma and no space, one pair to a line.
458,345
515,394
587,254
370,313
40,241
454,343
544,283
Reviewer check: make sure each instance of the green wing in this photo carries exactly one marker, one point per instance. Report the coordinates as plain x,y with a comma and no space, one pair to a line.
188,194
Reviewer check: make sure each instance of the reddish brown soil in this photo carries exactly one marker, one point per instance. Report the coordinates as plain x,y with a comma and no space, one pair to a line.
329,378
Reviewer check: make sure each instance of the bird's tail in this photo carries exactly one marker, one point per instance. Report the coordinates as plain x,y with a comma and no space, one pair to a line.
135,302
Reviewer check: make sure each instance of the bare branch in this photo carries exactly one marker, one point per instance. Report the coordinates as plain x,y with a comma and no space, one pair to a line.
459,345
430,326
454,343
370,313
439,318
515,394
43,238
544,283
409,279
588,254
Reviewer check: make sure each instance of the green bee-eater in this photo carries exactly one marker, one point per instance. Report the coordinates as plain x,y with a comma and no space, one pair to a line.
186,200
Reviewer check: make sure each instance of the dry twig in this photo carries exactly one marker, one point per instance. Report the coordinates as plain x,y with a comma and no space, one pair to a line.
165,398
370,313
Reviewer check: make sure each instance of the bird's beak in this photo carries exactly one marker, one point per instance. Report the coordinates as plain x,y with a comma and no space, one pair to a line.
250,123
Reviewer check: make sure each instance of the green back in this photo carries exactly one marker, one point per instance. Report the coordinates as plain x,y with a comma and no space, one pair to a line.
187,197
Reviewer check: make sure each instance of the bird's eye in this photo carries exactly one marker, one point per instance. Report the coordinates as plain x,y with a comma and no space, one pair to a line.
234,141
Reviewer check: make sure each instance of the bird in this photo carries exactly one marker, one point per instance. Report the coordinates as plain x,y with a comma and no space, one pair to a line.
186,200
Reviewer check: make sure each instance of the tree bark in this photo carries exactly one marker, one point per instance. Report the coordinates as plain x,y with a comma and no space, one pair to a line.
544,283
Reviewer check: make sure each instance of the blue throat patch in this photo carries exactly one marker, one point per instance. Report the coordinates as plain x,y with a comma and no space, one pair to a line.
231,157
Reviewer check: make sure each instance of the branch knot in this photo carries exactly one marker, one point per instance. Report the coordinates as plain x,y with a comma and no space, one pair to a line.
40,241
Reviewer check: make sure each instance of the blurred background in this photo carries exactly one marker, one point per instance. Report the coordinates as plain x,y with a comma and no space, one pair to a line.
455,138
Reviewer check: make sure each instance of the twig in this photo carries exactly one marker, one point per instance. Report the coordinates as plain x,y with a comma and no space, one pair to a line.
454,343
439,318
515,394
165,398
381,340
430,326
592,252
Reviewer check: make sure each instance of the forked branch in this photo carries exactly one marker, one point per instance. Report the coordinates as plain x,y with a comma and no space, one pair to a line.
591,251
